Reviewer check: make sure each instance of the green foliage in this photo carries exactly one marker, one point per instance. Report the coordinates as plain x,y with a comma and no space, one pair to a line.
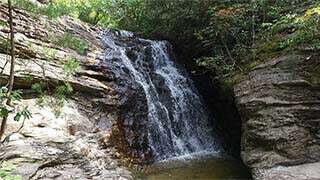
244,34
69,40
71,66
56,100
220,36
28,78
38,88
57,9
3,93
62,91
16,97
27,5
228,36
3,24
23,114
306,32
57,97
131,15
224,36
50,53
4,112
216,63
54,9
6,169
96,12
3,108
4,45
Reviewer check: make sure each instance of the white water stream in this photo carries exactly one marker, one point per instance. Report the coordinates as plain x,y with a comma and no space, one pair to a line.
178,123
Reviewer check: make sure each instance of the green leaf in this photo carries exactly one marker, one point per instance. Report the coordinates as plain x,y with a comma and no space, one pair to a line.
38,88
16,95
24,114
17,117
4,112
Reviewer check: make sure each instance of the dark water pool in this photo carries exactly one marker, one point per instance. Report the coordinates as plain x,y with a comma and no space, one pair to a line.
204,168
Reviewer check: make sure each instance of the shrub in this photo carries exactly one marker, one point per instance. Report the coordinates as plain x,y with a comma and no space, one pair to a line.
71,66
69,40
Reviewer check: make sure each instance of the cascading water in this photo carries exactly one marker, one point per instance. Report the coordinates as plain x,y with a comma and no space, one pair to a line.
178,123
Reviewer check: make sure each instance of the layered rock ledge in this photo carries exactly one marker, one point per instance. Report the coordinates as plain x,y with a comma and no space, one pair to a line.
280,109
80,143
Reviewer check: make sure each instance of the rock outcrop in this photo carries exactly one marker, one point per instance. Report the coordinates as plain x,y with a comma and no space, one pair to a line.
42,56
279,103
81,142
71,146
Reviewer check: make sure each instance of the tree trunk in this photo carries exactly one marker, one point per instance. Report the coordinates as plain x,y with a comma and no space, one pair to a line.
11,77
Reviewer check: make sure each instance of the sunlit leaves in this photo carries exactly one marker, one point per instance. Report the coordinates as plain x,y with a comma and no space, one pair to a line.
312,11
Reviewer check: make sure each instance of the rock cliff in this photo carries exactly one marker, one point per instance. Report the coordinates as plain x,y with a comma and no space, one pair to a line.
279,103
81,142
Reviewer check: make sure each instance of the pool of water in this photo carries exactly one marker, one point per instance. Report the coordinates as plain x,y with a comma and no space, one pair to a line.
199,168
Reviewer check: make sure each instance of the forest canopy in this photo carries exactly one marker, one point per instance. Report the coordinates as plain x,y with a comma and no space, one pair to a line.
216,36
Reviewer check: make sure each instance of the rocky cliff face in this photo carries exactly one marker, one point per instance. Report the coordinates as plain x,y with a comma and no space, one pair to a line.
84,141
279,103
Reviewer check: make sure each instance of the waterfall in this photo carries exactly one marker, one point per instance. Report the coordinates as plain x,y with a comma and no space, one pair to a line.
178,122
